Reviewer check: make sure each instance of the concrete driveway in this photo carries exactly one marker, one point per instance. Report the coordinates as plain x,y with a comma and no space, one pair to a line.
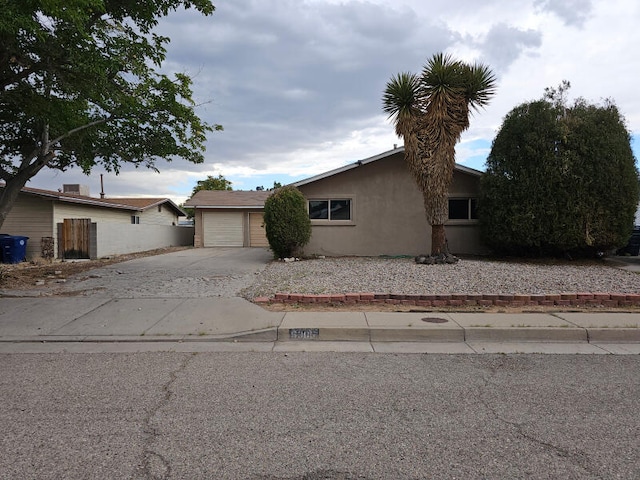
193,273
181,295
629,263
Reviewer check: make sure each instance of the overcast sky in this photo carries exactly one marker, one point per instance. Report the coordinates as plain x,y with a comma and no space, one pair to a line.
297,85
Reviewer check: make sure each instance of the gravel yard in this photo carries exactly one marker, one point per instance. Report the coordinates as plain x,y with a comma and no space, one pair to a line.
469,276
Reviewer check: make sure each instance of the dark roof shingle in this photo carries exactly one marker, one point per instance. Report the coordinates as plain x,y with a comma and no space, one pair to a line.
228,198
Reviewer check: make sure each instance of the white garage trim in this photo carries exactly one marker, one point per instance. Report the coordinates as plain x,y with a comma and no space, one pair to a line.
223,229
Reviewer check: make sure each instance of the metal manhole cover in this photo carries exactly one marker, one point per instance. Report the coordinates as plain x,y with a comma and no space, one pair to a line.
434,320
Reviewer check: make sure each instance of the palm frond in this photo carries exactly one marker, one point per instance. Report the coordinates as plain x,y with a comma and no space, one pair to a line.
480,85
400,100
442,75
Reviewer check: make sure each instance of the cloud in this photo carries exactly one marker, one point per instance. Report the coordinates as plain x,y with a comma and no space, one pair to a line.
572,12
504,44
297,85
289,76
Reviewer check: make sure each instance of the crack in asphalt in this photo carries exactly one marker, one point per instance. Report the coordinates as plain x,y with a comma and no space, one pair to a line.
578,458
154,465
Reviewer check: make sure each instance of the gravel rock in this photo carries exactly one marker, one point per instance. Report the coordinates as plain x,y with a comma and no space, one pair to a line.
404,276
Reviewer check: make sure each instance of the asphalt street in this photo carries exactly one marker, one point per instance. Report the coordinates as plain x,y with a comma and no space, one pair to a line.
282,416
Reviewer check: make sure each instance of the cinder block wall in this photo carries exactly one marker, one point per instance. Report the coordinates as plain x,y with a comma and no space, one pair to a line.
118,239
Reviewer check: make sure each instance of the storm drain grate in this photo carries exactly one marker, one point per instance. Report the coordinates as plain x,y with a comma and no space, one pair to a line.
434,320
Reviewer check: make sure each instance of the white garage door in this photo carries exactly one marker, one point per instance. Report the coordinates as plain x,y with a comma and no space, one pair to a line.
222,229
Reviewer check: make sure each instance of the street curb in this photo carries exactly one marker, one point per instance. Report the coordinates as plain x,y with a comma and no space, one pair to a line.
263,335
389,335
614,335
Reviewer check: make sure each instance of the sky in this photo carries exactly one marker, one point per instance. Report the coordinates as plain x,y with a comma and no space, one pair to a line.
297,84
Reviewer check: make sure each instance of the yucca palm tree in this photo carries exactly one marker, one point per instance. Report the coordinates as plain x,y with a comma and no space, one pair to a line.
430,112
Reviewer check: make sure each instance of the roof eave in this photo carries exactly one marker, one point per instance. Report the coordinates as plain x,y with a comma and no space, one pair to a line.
347,167
365,161
82,201
227,206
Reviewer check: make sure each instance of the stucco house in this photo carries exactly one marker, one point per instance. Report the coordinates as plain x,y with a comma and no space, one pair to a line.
370,207
226,218
82,226
373,207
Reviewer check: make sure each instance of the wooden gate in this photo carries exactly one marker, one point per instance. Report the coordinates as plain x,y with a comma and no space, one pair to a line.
75,237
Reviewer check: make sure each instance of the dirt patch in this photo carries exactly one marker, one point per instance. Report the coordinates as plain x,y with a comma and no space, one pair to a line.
33,274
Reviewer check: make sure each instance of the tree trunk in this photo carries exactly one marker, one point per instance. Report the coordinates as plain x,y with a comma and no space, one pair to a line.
438,240
8,195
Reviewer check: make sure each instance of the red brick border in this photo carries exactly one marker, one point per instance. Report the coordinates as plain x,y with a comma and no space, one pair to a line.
564,299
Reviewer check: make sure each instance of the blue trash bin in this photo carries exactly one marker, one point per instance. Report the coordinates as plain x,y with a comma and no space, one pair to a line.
14,248
2,235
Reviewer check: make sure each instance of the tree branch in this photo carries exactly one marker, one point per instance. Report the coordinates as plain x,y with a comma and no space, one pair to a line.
26,161
4,174
79,129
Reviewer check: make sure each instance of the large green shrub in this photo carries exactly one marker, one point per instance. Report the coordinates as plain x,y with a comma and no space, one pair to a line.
560,180
286,221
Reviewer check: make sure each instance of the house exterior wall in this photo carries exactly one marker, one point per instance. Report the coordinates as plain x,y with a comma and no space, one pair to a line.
152,216
387,213
36,217
96,214
30,217
464,236
198,238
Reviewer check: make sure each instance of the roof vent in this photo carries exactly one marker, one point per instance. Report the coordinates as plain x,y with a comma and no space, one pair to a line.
76,189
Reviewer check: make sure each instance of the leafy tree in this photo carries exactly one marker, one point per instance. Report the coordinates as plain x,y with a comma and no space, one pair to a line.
287,223
79,86
275,185
560,179
190,211
212,183
431,111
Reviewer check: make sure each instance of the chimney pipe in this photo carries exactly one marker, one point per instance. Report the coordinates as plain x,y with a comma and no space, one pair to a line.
101,187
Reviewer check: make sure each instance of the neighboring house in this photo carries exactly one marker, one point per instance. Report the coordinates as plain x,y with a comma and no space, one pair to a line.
374,207
229,218
86,227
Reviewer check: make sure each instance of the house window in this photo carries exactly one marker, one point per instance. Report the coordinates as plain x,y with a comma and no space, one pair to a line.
159,208
338,209
463,209
135,219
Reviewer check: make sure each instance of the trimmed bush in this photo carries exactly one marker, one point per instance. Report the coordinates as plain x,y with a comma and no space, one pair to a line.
560,180
287,223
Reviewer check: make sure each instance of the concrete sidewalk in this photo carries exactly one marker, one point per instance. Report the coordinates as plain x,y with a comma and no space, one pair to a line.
126,319
172,324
